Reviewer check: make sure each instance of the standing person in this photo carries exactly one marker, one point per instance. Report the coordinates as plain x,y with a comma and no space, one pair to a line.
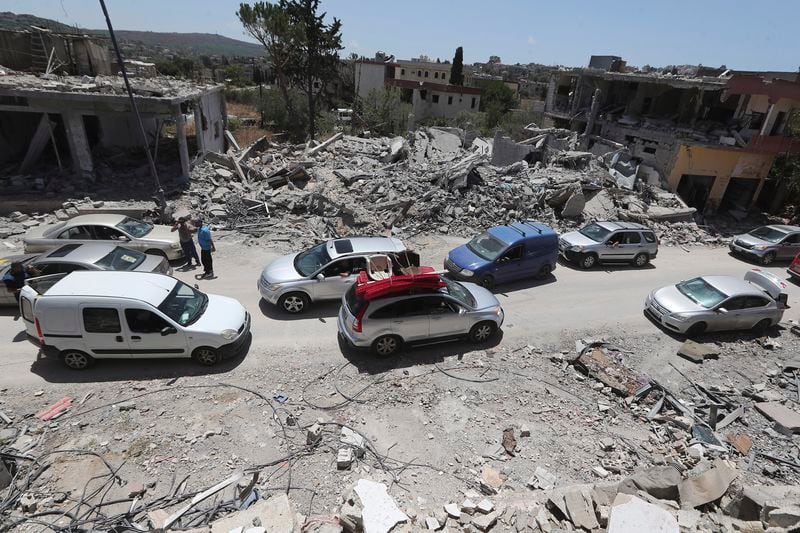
206,248
185,231
14,278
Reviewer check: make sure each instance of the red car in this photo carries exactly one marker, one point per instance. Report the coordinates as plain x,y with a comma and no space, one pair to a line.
794,268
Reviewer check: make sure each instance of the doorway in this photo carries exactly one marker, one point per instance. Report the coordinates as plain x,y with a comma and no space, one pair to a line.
695,190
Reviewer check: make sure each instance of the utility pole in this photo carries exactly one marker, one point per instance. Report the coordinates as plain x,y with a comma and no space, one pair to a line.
160,197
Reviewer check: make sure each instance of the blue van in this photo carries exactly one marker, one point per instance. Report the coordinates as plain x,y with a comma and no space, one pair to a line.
505,253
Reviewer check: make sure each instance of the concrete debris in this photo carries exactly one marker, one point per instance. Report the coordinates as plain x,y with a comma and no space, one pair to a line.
431,523
353,439
485,522
509,441
659,481
606,364
542,479
580,510
380,513
452,510
780,414
630,514
485,506
741,442
707,487
344,458
491,480
786,517
697,352
274,514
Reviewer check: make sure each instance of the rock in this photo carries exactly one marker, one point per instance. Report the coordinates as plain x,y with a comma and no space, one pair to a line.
468,506
757,501
708,486
32,223
688,519
224,173
630,514
452,510
61,215
600,472
380,513
787,517
524,431
573,208
607,444
660,481
344,458
485,521
491,479
542,479
509,442
398,149
580,508
485,506
696,352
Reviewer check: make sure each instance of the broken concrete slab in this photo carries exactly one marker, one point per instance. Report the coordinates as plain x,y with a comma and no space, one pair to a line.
398,149
275,514
786,517
574,206
741,442
660,481
630,514
580,509
607,366
491,479
757,501
696,352
380,512
708,486
485,522
444,141
780,414
542,479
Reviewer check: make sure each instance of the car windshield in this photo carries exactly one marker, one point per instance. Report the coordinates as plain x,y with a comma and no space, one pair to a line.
486,246
121,259
768,234
701,292
459,292
184,304
308,262
134,227
596,232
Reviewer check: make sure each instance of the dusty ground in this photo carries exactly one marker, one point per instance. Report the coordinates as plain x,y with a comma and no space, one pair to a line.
435,416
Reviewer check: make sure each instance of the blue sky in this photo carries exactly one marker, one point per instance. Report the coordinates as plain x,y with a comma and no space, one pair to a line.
746,35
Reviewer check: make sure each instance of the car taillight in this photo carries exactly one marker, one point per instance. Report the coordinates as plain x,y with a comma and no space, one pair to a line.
39,331
357,325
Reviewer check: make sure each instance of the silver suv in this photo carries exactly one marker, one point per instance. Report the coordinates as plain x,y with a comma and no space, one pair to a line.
325,271
386,323
768,243
609,242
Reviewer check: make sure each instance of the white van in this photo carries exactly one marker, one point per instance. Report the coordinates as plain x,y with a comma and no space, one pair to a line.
83,316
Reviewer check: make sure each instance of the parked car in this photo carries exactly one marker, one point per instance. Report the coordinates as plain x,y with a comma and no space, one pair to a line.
794,268
768,243
110,229
385,315
505,253
326,271
83,316
609,242
714,303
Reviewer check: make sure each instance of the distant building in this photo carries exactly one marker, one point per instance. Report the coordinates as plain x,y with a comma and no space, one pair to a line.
607,63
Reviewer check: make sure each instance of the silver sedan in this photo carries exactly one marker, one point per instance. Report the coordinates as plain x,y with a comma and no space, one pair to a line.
109,229
716,303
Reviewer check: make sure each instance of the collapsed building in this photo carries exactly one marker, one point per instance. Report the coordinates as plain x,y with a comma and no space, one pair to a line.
713,140
43,50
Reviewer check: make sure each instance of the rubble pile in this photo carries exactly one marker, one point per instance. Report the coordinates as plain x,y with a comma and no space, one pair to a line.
343,449
439,180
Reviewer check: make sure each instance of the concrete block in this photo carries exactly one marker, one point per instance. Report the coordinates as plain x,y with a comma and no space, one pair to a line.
344,458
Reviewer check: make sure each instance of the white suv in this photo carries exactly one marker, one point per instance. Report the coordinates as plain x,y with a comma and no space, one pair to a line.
417,315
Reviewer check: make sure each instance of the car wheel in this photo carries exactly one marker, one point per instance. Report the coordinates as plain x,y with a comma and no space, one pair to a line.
544,271
762,325
482,332
768,258
641,260
386,345
206,356
696,329
487,282
588,261
76,360
294,302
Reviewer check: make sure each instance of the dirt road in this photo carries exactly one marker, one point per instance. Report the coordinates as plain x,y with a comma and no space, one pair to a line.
605,301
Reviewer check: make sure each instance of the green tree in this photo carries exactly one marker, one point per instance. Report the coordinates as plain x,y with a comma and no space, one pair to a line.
497,100
236,75
383,112
303,49
457,71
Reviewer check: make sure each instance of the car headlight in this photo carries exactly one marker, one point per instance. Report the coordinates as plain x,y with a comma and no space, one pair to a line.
273,288
175,245
228,334
680,317
576,248
760,247
467,273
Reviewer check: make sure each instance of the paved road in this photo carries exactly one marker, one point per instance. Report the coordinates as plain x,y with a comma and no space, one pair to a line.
606,299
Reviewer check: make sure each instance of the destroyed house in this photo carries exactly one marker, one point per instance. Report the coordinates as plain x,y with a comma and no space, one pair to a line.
42,50
713,140
68,118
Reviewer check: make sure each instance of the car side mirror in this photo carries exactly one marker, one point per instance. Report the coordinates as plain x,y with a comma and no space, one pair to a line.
169,330
320,277
124,238
462,311
722,310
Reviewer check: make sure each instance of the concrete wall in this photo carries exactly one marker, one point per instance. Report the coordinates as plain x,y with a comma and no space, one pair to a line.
120,130
368,77
449,104
721,163
212,122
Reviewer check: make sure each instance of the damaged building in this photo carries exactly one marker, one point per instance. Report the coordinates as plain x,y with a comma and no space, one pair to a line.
43,50
64,120
713,140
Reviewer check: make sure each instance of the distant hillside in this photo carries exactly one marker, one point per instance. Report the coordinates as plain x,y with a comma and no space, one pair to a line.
147,42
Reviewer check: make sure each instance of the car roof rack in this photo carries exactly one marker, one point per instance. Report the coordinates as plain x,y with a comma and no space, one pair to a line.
531,224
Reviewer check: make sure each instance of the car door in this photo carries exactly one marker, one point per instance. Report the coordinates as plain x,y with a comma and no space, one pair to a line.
631,245
337,277
731,317
153,336
113,236
411,321
615,247
755,309
508,266
445,315
75,233
789,247
102,331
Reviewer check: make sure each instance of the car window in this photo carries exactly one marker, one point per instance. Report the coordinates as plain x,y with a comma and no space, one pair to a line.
595,232
144,321
649,236
134,227
77,233
512,254
57,268
121,259
350,265
768,234
792,239
104,233
413,307
632,237
387,311
737,302
308,262
755,301
439,305
486,246
101,320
